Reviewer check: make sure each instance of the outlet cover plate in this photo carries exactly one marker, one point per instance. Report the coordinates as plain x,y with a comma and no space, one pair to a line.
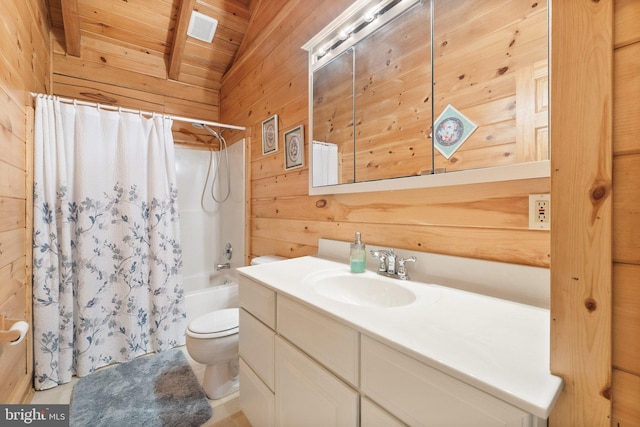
540,211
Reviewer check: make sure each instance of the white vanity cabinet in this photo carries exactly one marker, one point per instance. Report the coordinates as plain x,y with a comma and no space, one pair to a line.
309,395
331,343
280,384
301,366
422,396
257,352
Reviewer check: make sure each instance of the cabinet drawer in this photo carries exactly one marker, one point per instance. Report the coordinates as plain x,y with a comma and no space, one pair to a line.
256,400
420,395
256,347
258,300
331,343
308,395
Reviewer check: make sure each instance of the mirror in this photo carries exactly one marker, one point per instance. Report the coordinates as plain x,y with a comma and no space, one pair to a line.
393,98
490,63
333,138
379,85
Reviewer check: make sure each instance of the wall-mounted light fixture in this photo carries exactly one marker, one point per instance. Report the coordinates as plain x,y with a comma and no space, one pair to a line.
360,20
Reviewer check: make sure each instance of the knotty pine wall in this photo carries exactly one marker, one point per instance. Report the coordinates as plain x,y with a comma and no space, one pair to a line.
112,72
488,221
24,67
626,215
485,221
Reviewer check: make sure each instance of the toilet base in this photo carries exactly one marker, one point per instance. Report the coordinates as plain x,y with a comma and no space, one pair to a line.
221,379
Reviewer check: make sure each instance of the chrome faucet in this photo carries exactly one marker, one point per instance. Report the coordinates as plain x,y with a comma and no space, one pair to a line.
392,266
226,265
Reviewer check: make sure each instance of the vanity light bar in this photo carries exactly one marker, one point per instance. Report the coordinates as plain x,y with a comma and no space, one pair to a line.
354,28
350,25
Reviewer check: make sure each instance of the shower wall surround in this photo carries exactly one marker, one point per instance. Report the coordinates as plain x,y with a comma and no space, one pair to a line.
204,233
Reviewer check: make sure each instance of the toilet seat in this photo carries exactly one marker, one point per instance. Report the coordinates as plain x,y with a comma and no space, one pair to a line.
217,324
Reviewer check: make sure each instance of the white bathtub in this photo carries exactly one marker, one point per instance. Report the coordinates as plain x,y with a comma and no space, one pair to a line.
206,293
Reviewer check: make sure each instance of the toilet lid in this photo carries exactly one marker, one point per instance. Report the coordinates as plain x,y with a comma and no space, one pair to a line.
220,323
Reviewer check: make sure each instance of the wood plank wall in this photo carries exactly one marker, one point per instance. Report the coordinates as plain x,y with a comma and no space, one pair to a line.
626,218
120,73
25,67
484,221
488,221
581,193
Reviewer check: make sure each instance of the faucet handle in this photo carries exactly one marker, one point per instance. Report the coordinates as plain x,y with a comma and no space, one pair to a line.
410,259
402,271
382,256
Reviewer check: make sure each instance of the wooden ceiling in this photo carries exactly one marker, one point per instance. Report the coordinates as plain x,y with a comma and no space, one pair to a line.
158,29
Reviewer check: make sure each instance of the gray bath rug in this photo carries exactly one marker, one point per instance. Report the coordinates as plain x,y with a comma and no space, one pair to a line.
157,390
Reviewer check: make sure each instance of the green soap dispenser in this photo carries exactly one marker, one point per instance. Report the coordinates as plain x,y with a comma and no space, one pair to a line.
358,255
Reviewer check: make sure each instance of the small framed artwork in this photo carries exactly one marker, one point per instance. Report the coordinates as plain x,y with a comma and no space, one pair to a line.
452,129
294,148
270,135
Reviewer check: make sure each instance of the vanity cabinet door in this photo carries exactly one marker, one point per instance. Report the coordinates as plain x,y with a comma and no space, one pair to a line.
308,395
372,415
423,396
256,347
331,343
256,400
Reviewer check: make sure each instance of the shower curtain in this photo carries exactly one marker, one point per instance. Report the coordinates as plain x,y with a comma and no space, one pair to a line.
107,261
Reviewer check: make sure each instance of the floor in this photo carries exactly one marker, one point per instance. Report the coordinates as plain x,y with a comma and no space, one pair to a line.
226,411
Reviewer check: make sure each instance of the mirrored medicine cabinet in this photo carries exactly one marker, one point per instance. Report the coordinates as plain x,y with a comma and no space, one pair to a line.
415,93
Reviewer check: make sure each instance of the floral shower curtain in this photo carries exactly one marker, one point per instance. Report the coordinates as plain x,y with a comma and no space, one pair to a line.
107,260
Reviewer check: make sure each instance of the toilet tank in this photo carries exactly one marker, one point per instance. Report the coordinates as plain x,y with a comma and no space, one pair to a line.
265,259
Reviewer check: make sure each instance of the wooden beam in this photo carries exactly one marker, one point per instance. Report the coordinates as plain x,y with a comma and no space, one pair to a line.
581,217
179,38
71,26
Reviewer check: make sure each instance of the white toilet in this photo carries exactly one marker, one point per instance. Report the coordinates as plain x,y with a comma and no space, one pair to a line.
212,339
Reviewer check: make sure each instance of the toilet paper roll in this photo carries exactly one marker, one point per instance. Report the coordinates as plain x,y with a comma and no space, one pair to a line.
23,328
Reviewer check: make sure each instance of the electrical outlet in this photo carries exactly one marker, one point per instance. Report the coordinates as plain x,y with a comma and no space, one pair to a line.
540,211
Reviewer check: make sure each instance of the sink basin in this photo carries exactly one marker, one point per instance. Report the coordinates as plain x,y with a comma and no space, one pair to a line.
368,290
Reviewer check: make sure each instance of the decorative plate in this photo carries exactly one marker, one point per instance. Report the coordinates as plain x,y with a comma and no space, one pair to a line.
452,129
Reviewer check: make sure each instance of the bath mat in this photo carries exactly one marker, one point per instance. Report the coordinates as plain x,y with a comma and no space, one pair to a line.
156,390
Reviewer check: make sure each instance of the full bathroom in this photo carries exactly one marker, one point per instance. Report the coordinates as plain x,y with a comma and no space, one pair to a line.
484,153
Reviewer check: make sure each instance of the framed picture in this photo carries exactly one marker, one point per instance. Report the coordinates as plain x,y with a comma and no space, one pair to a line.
270,135
452,129
294,148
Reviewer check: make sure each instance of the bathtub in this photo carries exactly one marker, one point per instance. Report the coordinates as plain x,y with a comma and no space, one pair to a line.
209,292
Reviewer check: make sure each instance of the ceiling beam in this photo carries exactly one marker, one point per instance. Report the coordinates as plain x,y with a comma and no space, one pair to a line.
71,22
179,38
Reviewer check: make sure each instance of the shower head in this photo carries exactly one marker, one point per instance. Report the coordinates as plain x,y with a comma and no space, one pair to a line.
208,129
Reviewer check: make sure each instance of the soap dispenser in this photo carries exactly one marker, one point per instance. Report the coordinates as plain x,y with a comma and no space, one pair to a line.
358,255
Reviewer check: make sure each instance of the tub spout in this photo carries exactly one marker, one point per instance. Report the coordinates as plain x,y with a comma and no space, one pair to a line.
226,265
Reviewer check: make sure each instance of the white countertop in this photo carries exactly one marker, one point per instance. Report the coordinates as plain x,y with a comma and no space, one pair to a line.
497,346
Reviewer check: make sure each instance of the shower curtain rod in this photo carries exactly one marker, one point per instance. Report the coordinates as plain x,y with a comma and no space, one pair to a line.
146,113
